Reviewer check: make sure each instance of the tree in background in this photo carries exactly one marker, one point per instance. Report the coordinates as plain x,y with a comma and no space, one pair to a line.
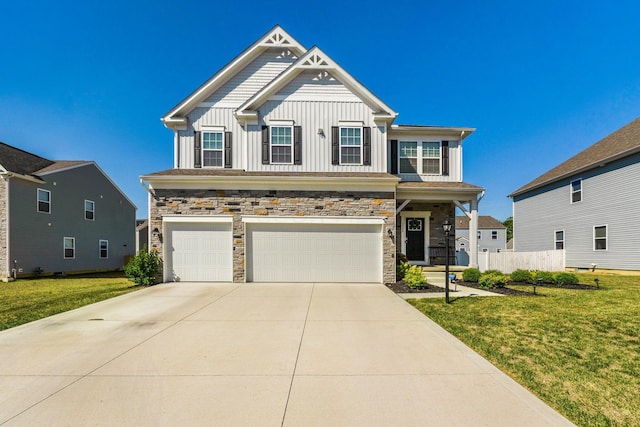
509,224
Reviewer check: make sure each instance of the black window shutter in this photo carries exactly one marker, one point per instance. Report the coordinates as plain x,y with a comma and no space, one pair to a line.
366,146
394,156
265,145
445,158
335,145
227,149
197,152
297,145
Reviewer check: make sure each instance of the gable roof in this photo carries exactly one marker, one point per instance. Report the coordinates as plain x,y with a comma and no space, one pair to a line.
484,221
275,37
621,143
18,161
316,59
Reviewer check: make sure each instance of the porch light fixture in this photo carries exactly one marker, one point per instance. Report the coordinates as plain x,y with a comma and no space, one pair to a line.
390,233
446,226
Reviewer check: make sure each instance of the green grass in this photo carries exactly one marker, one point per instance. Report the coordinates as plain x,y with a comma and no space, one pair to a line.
26,300
578,350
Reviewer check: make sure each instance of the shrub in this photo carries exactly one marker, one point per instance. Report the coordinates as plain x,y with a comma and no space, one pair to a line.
521,276
414,276
544,275
493,280
401,270
401,258
144,268
471,275
564,279
492,272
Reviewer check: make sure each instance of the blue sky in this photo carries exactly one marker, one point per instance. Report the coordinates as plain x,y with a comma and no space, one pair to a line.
540,81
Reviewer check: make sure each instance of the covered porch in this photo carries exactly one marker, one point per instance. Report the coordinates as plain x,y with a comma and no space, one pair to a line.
421,210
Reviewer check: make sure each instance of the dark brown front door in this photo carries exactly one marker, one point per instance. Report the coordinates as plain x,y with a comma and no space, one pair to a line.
415,239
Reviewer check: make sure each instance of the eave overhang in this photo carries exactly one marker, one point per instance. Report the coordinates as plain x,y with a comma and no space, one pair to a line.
433,191
459,133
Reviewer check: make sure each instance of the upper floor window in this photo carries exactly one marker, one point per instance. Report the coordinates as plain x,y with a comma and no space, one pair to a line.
600,238
494,235
420,157
350,146
44,200
104,248
282,144
576,190
89,210
69,247
479,235
212,149
559,239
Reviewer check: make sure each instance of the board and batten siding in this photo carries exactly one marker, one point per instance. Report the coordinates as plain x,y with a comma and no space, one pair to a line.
253,77
609,197
455,158
316,148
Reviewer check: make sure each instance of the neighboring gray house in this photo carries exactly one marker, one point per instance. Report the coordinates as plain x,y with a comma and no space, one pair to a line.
60,216
492,236
142,234
287,169
587,205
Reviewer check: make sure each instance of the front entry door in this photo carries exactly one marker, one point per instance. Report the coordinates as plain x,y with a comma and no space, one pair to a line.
415,239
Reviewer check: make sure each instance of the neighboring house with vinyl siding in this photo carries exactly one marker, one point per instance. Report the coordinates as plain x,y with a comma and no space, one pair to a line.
587,205
60,217
492,236
288,169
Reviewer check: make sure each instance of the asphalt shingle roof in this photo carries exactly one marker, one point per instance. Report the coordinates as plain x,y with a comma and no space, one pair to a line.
484,221
21,162
621,143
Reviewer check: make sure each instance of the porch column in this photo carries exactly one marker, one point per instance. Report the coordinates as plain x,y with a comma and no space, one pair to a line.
473,233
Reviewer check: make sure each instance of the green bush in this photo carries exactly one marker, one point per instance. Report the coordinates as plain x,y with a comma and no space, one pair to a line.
564,279
471,275
546,276
492,272
521,276
493,280
401,270
144,268
414,276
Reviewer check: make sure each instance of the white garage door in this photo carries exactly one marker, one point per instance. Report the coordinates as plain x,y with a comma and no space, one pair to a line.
199,252
314,252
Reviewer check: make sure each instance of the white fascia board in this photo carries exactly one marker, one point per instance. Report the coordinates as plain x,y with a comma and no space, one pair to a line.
291,183
198,219
20,176
437,194
458,134
364,220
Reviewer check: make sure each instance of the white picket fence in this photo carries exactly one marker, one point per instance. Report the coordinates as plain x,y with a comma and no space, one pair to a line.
507,262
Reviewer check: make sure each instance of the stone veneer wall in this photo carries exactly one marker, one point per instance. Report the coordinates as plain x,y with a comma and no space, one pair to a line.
275,203
4,214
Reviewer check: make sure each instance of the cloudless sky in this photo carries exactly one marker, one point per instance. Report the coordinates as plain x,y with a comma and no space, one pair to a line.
540,81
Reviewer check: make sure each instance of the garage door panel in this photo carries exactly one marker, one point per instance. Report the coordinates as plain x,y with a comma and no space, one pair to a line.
314,252
199,251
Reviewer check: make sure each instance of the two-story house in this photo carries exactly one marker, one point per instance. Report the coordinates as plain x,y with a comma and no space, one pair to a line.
288,169
586,205
60,217
492,237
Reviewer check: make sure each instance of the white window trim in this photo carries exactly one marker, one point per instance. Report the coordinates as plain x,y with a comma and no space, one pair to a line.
420,158
494,234
202,149
555,239
361,146
38,200
64,248
606,237
86,210
288,124
571,192
100,249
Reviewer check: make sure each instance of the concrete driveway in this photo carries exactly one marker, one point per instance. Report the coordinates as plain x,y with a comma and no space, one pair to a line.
253,355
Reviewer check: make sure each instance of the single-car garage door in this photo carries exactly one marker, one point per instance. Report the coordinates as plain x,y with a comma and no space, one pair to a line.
314,252
198,251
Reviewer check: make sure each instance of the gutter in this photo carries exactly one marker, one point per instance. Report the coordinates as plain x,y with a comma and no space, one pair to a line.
147,188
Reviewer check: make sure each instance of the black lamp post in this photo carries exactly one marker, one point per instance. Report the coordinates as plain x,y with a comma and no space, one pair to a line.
446,226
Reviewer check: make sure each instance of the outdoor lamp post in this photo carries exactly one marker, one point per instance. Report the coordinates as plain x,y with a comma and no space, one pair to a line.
446,226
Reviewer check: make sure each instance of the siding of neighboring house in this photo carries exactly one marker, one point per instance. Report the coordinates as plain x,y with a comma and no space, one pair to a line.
37,238
485,241
609,197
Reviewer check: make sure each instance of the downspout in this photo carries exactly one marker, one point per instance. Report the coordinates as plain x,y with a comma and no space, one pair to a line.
5,177
147,188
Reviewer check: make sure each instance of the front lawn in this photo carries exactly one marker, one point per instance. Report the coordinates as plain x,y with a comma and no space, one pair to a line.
26,300
578,350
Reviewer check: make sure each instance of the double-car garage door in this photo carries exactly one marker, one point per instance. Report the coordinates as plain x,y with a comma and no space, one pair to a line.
278,250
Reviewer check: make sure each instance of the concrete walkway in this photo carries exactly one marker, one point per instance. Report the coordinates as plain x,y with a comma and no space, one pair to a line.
253,355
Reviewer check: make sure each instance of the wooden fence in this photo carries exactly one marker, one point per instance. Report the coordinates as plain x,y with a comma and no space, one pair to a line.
507,262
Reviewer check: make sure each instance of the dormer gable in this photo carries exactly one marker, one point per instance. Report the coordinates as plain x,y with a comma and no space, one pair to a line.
277,37
314,59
